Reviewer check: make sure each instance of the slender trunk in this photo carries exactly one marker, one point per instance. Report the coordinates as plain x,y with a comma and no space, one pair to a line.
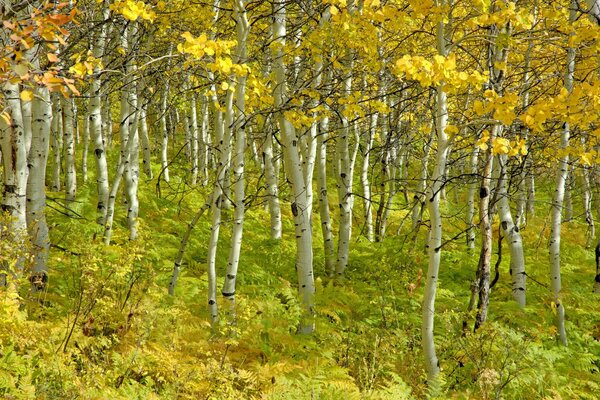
193,138
485,224
36,186
417,211
238,157
69,149
435,234
271,183
568,198
587,206
143,132
471,200
223,146
558,198
364,176
57,133
513,236
86,147
183,246
344,178
95,121
294,172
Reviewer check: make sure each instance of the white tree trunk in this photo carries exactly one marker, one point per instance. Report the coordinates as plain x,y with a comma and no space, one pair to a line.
271,178
294,172
344,176
238,156
86,147
435,234
69,149
36,186
471,200
193,130
558,198
513,236
364,176
223,146
95,121
143,133
417,211
587,206
14,161
57,134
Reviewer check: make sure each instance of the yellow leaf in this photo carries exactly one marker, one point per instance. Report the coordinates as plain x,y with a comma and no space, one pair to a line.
26,95
224,86
52,57
6,117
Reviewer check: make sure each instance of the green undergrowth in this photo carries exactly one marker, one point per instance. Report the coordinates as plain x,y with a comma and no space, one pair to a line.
107,329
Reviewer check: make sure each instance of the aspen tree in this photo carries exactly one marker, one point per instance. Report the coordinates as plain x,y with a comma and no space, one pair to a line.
242,28
294,172
36,184
68,117
345,172
433,197
95,119
559,193
56,132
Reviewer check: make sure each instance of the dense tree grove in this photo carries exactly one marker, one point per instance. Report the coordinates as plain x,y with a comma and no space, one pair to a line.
166,166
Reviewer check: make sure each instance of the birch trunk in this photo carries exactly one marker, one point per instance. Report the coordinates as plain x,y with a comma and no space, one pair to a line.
242,28
419,206
143,133
364,176
345,175
513,236
95,120
223,146
435,234
271,183
15,171
471,200
193,138
294,172
587,206
36,186
568,198
57,133
86,147
69,149
558,198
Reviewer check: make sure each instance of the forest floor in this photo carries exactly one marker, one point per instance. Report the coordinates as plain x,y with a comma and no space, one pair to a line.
106,328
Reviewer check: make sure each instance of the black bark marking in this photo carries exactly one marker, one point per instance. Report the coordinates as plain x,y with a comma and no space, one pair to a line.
211,302
295,209
483,192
